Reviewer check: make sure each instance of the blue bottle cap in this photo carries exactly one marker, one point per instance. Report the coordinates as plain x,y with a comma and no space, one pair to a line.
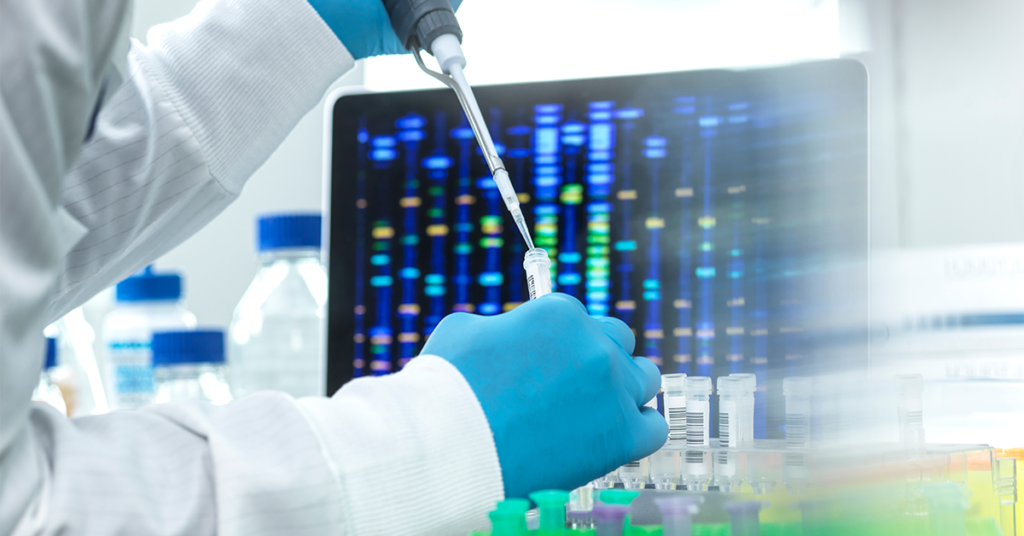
145,285
51,353
182,347
279,231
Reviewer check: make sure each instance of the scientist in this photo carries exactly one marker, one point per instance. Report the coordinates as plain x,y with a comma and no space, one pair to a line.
112,154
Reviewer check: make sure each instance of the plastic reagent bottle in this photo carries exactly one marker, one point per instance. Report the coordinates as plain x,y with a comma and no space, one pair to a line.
47,391
145,302
537,266
730,411
746,433
674,388
189,365
275,336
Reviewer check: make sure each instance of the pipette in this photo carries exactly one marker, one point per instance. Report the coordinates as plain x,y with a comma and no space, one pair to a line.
431,24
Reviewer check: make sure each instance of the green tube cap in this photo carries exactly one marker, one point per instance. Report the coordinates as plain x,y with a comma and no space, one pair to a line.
617,496
552,510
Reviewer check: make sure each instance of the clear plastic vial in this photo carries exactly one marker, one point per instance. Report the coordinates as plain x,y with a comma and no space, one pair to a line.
698,412
189,365
746,432
797,391
537,266
275,336
47,392
910,410
145,302
673,387
666,468
634,474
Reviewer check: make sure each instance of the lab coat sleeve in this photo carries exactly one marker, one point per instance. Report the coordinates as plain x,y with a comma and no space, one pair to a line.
200,109
203,107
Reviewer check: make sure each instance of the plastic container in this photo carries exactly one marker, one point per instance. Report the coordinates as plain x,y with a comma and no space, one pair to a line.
746,432
633,475
275,338
673,387
698,412
189,365
144,303
551,504
744,517
676,512
666,469
47,392
537,266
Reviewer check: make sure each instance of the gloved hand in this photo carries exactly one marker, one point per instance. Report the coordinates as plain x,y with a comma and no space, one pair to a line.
362,26
559,389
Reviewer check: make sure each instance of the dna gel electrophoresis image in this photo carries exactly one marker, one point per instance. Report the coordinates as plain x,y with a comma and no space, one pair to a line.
719,214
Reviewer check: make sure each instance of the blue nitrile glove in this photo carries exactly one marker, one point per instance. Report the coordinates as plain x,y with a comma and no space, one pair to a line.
362,26
559,389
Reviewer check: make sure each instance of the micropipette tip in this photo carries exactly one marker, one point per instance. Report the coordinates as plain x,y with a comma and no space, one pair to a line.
523,230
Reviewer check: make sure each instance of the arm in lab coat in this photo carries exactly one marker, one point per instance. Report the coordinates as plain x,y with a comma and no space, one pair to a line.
198,111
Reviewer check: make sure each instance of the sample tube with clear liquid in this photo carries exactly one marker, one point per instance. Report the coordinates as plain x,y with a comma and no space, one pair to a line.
746,432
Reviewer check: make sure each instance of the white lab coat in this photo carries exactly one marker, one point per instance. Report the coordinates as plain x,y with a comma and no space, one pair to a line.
198,111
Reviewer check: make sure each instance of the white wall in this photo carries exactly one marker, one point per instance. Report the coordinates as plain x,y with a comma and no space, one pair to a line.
960,111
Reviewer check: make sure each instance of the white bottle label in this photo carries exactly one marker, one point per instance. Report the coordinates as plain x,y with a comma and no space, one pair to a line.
130,373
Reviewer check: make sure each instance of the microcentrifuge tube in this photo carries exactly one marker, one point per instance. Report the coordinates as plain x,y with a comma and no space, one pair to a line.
744,517
538,272
698,411
608,518
797,391
551,504
676,511
749,387
607,481
673,387
666,468
634,474
909,409
509,518
581,499
730,411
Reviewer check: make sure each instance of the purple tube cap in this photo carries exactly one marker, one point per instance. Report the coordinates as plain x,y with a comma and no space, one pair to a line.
674,505
609,512
743,507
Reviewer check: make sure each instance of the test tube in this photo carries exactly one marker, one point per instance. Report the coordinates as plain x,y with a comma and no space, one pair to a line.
797,391
581,499
730,411
749,386
666,468
608,518
676,511
909,408
744,517
509,518
673,387
634,474
607,481
538,272
551,504
698,411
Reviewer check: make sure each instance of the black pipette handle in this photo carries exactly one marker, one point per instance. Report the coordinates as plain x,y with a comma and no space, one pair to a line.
419,22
